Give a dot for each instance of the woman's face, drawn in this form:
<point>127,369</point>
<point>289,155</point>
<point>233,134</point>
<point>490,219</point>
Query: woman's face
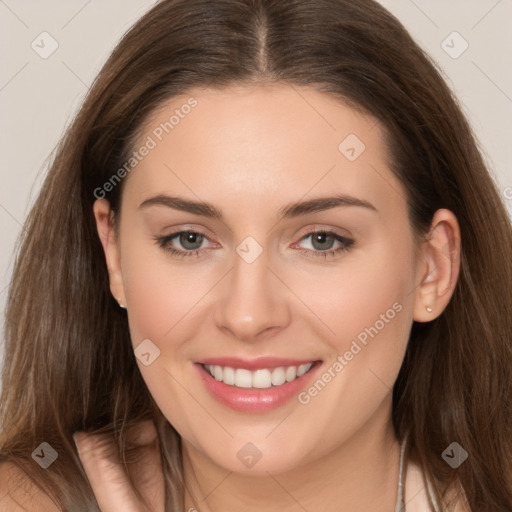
<point>254,173</point>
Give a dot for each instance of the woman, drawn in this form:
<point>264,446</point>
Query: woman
<point>268,270</point>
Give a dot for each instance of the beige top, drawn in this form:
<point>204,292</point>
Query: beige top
<point>415,493</point>
<point>412,493</point>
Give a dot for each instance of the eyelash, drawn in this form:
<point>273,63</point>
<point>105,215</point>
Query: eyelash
<point>346,244</point>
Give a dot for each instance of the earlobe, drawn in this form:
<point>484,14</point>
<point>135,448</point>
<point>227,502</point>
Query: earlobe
<point>105,225</point>
<point>438,267</point>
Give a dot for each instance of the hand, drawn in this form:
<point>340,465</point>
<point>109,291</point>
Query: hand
<point>108,478</point>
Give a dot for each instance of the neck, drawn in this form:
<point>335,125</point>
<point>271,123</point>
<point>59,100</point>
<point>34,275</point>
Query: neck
<point>360,474</point>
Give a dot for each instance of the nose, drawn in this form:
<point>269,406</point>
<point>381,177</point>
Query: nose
<point>253,301</point>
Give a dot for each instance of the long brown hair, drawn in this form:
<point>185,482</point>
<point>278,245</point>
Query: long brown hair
<point>69,362</point>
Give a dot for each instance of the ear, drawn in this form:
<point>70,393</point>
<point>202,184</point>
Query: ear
<point>105,226</point>
<point>439,264</point>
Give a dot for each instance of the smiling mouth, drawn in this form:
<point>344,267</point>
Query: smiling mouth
<point>263,378</point>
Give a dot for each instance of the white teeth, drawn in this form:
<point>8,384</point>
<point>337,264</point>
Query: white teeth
<point>302,369</point>
<point>259,379</point>
<point>291,373</point>
<point>278,376</point>
<point>243,378</point>
<point>228,376</point>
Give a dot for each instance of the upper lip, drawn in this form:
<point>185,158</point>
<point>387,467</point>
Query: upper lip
<point>254,364</point>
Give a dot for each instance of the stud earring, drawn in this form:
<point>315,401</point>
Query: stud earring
<point>429,309</point>
<point>119,302</point>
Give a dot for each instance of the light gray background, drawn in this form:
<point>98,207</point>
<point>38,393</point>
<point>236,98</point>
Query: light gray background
<point>39,96</point>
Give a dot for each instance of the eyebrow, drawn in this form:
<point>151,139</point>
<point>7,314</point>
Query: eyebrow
<point>289,211</point>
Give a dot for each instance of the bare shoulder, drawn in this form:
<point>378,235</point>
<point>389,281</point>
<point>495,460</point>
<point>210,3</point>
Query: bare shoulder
<point>19,494</point>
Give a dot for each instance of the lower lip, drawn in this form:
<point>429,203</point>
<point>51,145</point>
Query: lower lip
<point>255,400</point>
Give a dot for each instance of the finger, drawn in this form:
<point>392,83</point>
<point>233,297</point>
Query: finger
<point>107,477</point>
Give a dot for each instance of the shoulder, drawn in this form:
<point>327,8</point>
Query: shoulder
<point>19,494</point>
<point>459,498</point>
<point>417,492</point>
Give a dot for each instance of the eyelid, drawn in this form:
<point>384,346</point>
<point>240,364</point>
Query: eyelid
<point>300,234</point>
<point>346,241</point>
<point>325,228</point>
<point>178,228</point>
<point>345,244</point>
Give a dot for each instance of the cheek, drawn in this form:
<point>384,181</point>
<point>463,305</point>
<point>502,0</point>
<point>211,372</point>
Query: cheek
<point>163,307</point>
<point>367,304</point>
<point>361,293</point>
<point>162,295</point>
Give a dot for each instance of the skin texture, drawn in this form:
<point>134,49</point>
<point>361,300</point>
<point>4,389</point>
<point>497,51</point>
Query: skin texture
<point>250,152</point>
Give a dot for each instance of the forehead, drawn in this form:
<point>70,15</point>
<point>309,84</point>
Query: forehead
<point>245,143</point>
